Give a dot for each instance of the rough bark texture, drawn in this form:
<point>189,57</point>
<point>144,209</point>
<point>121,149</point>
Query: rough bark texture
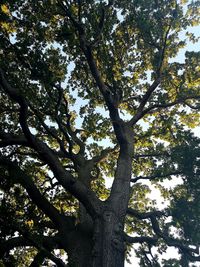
<point>109,249</point>
<point>102,247</point>
<point>79,249</point>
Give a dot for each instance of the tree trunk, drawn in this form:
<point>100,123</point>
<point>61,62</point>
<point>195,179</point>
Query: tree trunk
<point>79,249</point>
<point>109,247</point>
<point>104,247</point>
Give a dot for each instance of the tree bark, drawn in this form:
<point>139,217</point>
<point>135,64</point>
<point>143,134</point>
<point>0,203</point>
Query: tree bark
<point>109,247</point>
<point>79,250</point>
<point>101,245</point>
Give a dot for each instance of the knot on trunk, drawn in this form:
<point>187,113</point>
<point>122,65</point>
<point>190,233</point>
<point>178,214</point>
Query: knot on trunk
<point>107,216</point>
<point>118,228</point>
<point>118,244</point>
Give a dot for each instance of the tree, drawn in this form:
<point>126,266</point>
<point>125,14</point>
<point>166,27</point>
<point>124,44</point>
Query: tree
<point>92,92</point>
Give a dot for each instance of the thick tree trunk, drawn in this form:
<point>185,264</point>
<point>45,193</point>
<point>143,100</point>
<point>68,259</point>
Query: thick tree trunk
<point>106,246</point>
<point>109,248</point>
<point>79,245</point>
<point>102,248</point>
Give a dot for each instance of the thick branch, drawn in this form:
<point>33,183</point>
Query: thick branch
<point>105,91</point>
<point>26,181</point>
<point>38,259</point>
<point>143,102</point>
<point>158,107</point>
<point>77,188</point>
<point>8,139</point>
<point>154,85</point>
<point>155,176</point>
<point>52,133</point>
<point>21,241</point>
<point>43,247</point>
<point>12,243</point>
<point>121,185</point>
<point>42,243</point>
<point>153,154</point>
<point>104,154</point>
<point>120,191</point>
<point>108,97</point>
<point>145,215</point>
<point>156,228</point>
<point>101,23</point>
<point>175,242</point>
<point>140,239</point>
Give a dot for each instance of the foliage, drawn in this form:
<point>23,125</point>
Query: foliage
<point>94,92</point>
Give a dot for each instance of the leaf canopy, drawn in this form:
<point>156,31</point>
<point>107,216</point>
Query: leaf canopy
<point>74,76</point>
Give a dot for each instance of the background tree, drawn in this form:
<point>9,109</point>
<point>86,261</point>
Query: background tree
<point>92,94</point>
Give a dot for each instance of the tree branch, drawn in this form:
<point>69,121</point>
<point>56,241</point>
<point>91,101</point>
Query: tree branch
<point>101,23</point>
<point>12,243</point>
<point>21,241</point>
<point>153,215</point>
<point>17,174</point>
<point>154,85</point>
<point>103,154</point>
<point>175,242</point>
<point>140,239</point>
<point>66,179</point>
<point>153,108</point>
<point>156,154</point>
<point>38,259</point>
<point>42,243</point>
<point>155,176</point>
<point>145,215</point>
<point>8,139</point>
<point>139,113</point>
<point>123,131</point>
<point>105,91</point>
